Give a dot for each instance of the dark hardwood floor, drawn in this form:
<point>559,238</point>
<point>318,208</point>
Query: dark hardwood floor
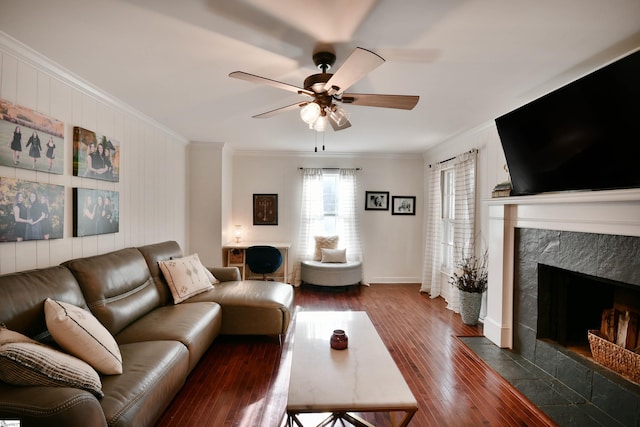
<point>243,381</point>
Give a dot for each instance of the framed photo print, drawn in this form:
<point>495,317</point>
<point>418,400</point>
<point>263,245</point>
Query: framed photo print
<point>95,156</point>
<point>30,140</point>
<point>403,205</point>
<point>95,212</point>
<point>376,201</point>
<point>265,209</point>
<point>30,210</point>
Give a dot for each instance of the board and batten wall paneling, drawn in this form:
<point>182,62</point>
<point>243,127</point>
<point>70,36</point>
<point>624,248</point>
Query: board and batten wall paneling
<point>152,187</point>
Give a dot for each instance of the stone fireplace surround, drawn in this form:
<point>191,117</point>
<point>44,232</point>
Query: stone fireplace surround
<point>525,231</point>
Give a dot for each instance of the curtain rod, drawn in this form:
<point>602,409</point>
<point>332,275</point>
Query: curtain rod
<point>332,169</point>
<point>474,150</point>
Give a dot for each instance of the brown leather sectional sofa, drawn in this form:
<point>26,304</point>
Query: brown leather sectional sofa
<point>160,342</point>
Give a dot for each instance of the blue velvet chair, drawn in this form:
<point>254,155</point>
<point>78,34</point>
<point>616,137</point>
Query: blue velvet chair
<point>263,260</point>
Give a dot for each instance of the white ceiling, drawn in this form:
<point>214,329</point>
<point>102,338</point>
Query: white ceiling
<point>469,60</point>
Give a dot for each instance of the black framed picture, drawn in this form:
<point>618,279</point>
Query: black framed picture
<point>265,209</point>
<point>376,201</point>
<point>403,205</point>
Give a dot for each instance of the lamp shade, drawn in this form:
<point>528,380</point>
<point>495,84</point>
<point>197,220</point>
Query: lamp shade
<point>320,125</point>
<point>310,112</point>
<point>339,115</point>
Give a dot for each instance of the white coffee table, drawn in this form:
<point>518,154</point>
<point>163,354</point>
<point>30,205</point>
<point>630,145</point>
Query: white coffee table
<point>361,378</point>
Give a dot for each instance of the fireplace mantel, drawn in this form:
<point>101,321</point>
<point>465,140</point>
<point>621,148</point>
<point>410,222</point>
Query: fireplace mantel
<point>605,212</point>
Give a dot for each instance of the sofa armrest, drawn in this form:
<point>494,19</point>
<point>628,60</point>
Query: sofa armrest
<point>226,274</point>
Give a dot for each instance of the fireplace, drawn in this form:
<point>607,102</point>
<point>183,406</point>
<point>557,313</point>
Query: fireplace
<point>590,234</point>
<point>571,303</point>
<point>562,283</point>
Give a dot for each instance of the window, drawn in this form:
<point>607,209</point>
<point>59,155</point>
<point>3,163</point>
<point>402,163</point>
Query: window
<point>330,201</point>
<point>448,217</point>
<point>330,207</point>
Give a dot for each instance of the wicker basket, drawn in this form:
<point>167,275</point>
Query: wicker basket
<point>615,357</point>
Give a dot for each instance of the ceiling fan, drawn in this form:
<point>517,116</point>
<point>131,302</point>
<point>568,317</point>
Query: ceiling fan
<point>327,90</point>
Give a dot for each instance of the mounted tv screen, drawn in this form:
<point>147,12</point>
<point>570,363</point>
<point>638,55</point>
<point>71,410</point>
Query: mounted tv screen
<point>583,136</point>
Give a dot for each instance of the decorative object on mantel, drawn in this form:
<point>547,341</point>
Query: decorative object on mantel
<point>471,279</point>
<point>502,190</point>
<point>339,340</point>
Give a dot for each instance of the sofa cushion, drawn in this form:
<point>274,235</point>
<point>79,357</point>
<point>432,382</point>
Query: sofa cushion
<point>186,277</point>
<point>334,255</point>
<point>154,373</point>
<point>194,325</point>
<point>117,287</point>
<point>159,252</point>
<point>26,362</point>
<point>22,297</point>
<point>55,406</point>
<point>327,242</point>
<point>78,332</point>
<point>252,307</point>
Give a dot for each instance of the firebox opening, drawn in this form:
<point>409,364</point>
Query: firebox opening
<point>570,303</point>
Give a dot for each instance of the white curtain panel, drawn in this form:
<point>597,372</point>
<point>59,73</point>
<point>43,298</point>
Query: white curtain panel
<point>431,272</point>
<point>311,217</point>
<point>434,281</point>
<point>348,224</point>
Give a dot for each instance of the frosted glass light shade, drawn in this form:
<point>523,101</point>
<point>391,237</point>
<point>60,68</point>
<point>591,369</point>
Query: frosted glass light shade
<point>310,112</point>
<point>320,125</point>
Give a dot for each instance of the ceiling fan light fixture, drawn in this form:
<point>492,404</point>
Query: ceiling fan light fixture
<point>310,113</point>
<point>339,115</point>
<point>320,125</point>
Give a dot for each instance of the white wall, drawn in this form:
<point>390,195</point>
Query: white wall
<point>153,162</point>
<point>392,245</point>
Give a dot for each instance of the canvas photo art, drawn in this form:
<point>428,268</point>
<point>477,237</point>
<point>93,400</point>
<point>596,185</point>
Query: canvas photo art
<point>95,156</point>
<point>95,212</point>
<point>30,210</point>
<point>30,140</point>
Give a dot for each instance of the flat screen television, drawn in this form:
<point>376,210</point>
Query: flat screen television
<point>583,136</point>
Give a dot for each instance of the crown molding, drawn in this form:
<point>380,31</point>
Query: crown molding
<point>26,54</point>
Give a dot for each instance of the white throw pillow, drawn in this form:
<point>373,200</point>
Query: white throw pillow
<point>326,242</point>
<point>78,332</point>
<point>334,255</point>
<point>186,277</point>
<point>24,361</point>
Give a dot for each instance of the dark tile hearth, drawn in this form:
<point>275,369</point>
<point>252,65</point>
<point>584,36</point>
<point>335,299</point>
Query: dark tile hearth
<point>613,259</point>
<point>565,406</point>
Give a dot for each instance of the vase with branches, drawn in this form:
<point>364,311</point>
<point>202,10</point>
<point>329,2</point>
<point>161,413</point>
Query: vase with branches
<point>471,278</point>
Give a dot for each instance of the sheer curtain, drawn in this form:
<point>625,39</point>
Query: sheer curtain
<point>348,221</point>
<point>311,216</point>
<point>434,280</point>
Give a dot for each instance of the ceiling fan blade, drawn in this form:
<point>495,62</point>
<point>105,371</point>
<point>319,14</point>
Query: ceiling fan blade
<point>402,102</point>
<point>279,110</point>
<point>358,64</point>
<point>263,80</point>
<point>336,127</point>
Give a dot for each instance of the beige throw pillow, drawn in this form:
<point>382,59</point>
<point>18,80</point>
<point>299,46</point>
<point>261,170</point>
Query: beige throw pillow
<point>24,361</point>
<point>78,332</point>
<point>186,277</point>
<point>326,242</point>
<point>334,255</point>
